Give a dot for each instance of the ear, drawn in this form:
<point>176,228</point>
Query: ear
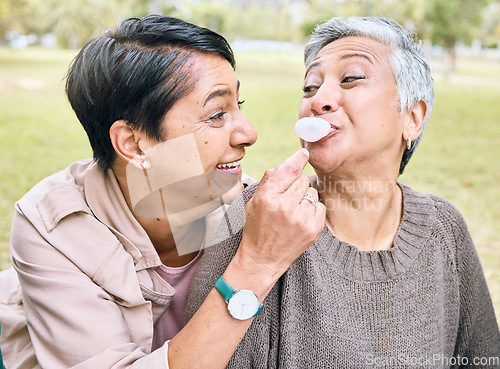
<point>415,125</point>
<point>125,141</point>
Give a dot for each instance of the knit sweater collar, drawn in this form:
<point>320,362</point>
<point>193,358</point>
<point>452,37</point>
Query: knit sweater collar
<point>385,265</point>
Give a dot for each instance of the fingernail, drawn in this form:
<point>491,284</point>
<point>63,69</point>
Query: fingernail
<point>306,152</point>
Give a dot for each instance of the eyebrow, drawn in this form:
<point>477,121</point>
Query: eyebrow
<point>356,55</point>
<point>221,92</point>
<point>317,64</point>
<point>311,66</point>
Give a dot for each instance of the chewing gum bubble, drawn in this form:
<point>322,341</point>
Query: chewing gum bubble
<point>312,129</point>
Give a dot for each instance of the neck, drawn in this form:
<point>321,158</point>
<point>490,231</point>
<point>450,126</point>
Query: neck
<point>158,229</point>
<point>363,212</point>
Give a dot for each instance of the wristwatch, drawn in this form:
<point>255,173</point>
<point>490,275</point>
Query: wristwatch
<point>242,304</point>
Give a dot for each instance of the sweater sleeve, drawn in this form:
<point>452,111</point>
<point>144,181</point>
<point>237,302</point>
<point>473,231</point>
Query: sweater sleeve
<point>478,340</point>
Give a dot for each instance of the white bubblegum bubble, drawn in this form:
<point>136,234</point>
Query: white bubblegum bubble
<point>312,129</point>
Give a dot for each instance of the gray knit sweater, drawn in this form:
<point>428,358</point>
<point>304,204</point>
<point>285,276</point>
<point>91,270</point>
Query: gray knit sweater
<point>422,304</point>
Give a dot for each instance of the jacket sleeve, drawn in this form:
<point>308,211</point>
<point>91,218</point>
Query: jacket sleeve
<point>478,336</point>
<point>73,322</point>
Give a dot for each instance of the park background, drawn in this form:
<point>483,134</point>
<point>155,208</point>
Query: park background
<point>458,158</point>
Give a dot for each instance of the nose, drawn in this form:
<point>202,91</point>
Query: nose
<point>324,101</point>
<point>244,133</point>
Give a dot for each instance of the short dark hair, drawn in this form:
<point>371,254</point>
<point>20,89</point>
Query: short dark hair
<point>136,73</point>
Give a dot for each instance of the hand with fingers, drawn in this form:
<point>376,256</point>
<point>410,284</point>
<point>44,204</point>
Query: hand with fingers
<point>284,217</point>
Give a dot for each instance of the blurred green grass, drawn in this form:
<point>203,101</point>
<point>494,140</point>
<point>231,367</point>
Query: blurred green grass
<point>458,157</point>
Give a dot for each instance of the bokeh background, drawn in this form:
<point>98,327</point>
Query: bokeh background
<point>459,157</point>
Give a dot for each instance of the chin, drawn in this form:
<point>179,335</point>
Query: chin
<point>324,157</point>
<point>320,162</point>
<point>233,193</point>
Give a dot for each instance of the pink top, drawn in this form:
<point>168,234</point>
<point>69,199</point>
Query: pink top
<point>174,319</point>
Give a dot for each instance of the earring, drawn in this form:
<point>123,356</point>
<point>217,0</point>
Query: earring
<point>408,143</point>
<point>145,164</point>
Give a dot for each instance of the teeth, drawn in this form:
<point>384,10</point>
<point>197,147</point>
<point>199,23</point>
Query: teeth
<point>231,165</point>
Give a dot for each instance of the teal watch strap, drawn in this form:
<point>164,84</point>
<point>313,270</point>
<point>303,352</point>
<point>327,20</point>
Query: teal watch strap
<point>224,289</point>
<point>259,309</point>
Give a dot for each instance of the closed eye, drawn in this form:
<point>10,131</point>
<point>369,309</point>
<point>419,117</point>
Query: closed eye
<point>349,79</point>
<point>309,90</point>
<point>218,116</point>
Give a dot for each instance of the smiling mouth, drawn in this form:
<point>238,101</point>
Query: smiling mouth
<point>229,166</point>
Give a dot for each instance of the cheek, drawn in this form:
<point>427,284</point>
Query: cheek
<point>379,125</point>
<point>304,108</point>
<point>212,148</point>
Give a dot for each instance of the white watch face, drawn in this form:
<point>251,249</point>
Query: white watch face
<point>243,305</point>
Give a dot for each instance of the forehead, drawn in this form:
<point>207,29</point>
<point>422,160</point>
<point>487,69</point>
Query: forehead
<point>210,67</point>
<point>213,78</point>
<point>346,48</point>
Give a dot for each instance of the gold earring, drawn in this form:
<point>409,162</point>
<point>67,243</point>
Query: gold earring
<point>408,143</point>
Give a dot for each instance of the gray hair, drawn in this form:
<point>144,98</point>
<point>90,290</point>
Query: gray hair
<point>409,64</point>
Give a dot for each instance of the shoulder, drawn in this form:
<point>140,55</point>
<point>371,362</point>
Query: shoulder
<point>70,177</point>
<point>451,230</point>
<point>447,212</point>
<point>447,228</point>
<point>53,214</point>
<point>57,196</point>
<point>439,208</point>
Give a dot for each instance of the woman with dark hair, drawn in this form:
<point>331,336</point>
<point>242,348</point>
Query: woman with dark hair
<point>105,250</point>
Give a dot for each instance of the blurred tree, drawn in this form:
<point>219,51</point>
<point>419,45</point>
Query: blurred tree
<point>211,15</point>
<point>452,21</point>
<point>489,32</point>
<point>318,11</point>
<point>409,13</point>
<point>4,18</point>
<point>144,7</point>
<point>155,6</point>
<point>252,20</point>
<point>13,16</point>
<point>76,22</point>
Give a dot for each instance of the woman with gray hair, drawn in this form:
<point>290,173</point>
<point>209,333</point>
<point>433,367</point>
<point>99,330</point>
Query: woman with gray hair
<point>394,280</point>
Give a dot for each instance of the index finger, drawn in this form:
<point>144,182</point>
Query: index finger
<point>287,173</point>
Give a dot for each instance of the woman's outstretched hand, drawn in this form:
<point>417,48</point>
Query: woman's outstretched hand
<point>280,223</point>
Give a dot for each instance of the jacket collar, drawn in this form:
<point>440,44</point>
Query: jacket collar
<point>106,200</point>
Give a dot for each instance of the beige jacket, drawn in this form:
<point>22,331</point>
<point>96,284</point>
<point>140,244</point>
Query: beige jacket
<point>86,267</point>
